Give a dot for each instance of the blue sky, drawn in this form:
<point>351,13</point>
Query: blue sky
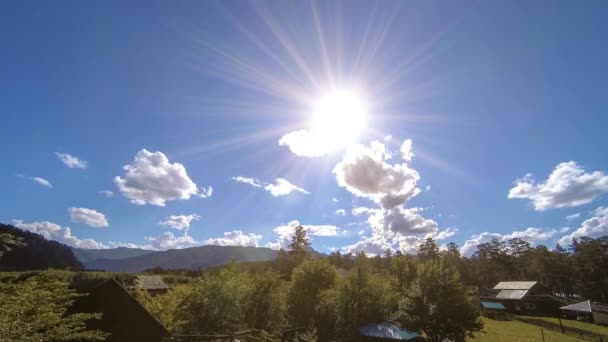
<point>205,92</point>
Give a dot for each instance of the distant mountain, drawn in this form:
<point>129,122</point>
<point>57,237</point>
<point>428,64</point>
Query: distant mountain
<point>189,258</point>
<point>86,256</point>
<point>37,254</point>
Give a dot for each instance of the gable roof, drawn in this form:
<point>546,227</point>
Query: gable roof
<point>387,331</point>
<point>586,306</point>
<point>515,285</point>
<point>511,294</point>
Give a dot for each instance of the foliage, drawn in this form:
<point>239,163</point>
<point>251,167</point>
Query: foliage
<point>167,308</point>
<point>30,251</point>
<point>438,305</point>
<point>265,305</point>
<point>38,308</point>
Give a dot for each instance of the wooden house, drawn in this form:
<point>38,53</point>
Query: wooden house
<point>526,298</point>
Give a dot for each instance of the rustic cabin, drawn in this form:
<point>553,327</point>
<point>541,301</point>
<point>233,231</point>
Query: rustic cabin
<point>526,298</point>
<point>122,315</point>
<point>387,332</point>
<point>587,311</point>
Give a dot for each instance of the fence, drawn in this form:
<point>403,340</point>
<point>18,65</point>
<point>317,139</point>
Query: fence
<point>570,331</point>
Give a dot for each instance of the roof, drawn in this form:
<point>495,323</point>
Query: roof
<point>511,294</point>
<point>150,282</point>
<point>493,305</point>
<point>586,306</point>
<point>515,285</point>
<point>387,331</point>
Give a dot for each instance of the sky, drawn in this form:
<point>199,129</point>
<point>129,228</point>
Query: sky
<point>374,124</point>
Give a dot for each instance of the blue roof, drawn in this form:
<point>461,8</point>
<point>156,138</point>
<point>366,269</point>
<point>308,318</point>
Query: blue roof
<point>493,305</point>
<point>388,331</point>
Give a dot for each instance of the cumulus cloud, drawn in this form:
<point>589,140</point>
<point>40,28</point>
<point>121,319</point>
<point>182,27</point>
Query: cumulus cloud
<point>52,231</point>
<point>304,143</point>
<point>364,172</point>
<point>567,186</point>
<point>282,187</point>
<point>71,161</point>
<point>341,212</point>
<point>593,227</point>
<point>169,241</point>
<point>42,182</point>
<point>284,233</point>
<point>600,211</point>
<point>573,217</point>
<point>107,193</point>
<point>235,238</point>
<point>247,180</point>
<point>180,222</point>
<point>87,216</point>
<point>152,179</point>
<point>531,234</point>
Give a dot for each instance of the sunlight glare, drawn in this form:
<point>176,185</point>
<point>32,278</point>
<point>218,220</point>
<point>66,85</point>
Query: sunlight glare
<point>339,117</point>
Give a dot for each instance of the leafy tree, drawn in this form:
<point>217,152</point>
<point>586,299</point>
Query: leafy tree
<point>298,250</point>
<point>215,304</point>
<point>308,281</point>
<point>428,250</point>
<point>438,305</point>
<point>167,308</point>
<point>37,309</point>
<point>265,305</point>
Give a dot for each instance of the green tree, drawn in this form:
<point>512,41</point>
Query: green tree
<point>309,280</point>
<point>298,250</point>
<point>37,309</point>
<point>8,242</point>
<point>265,306</point>
<point>438,305</point>
<point>167,308</point>
<point>428,250</point>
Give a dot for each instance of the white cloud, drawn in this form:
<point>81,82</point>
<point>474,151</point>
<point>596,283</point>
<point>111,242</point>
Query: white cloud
<point>427,188</point>
<point>341,212</point>
<point>567,186</point>
<point>205,193</point>
<point>406,150</point>
<point>573,216</point>
<point>235,238</point>
<point>284,233</point>
<point>87,216</point>
<point>364,172</point>
<point>180,222</point>
<point>247,180</point>
<point>594,227</point>
<point>283,187</point>
<point>42,182</point>
<point>600,211</point>
<point>152,179</point>
<point>55,232</point>
<point>107,193</point>
<point>531,234</point>
<point>335,200</point>
<point>303,143</point>
<point>71,161</point>
<point>401,221</point>
<point>169,241</point>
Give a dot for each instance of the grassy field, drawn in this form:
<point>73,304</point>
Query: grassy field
<point>515,331</point>
<point>576,324</point>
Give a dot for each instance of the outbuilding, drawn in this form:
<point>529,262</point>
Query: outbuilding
<point>587,311</point>
<point>494,310</point>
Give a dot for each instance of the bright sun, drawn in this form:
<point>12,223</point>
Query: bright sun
<point>339,117</point>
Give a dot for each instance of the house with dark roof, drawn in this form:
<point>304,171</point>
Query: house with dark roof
<point>122,315</point>
<point>525,298</point>
<point>589,311</point>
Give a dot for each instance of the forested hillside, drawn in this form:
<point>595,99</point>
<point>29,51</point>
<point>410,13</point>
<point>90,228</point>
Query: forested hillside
<point>34,252</point>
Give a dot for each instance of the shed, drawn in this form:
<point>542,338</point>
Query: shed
<point>493,310</point>
<point>588,311</point>
<point>387,332</point>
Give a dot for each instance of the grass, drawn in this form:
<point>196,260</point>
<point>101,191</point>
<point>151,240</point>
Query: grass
<point>515,331</point>
<point>576,324</point>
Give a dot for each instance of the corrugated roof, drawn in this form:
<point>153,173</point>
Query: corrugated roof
<point>151,282</point>
<point>512,294</point>
<point>515,285</point>
<point>387,331</point>
<point>493,305</point>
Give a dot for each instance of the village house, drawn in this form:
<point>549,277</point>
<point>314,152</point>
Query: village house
<point>525,298</point>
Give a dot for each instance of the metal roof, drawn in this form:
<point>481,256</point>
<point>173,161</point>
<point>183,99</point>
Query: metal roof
<point>493,305</point>
<point>511,294</point>
<point>387,331</point>
<point>515,285</point>
<point>582,306</point>
<point>151,282</point>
